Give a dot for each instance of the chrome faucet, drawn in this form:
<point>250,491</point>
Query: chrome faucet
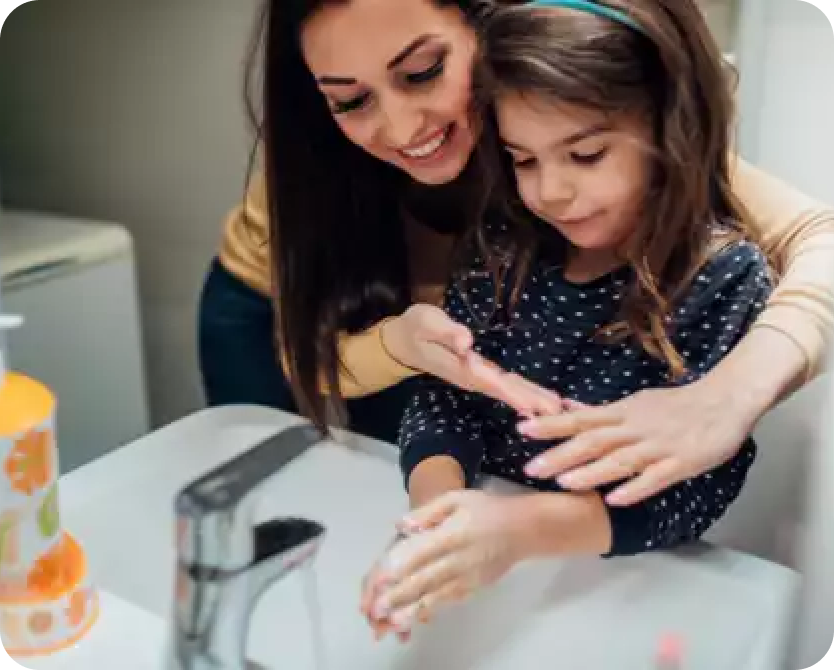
<point>225,562</point>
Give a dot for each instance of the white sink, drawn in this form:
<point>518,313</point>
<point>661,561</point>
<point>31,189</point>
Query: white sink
<point>597,615</point>
<point>568,612</point>
<point>579,614</point>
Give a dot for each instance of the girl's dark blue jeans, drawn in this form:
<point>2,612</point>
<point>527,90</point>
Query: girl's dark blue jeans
<point>239,363</point>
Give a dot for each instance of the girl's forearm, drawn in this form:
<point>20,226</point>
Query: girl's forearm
<point>562,523</point>
<point>434,477</point>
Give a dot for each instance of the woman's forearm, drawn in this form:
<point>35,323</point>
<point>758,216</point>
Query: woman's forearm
<point>797,233</point>
<point>366,368</point>
<point>764,368</point>
<point>366,365</point>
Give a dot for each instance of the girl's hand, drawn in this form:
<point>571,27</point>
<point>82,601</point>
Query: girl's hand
<point>371,588</point>
<point>425,338</point>
<point>429,481</point>
<point>458,543</point>
<point>657,437</point>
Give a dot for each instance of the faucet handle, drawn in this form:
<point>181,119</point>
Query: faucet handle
<point>227,485</point>
<point>214,513</point>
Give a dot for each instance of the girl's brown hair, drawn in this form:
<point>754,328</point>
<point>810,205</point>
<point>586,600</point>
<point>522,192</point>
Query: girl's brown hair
<point>671,72</point>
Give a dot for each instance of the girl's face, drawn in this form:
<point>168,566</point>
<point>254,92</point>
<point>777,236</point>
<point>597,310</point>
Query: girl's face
<point>581,171</point>
<point>397,76</point>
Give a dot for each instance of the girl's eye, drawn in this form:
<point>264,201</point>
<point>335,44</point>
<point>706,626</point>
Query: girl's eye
<point>428,74</point>
<point>589,159</point>
<point>523,163</point>
<point>344,106</point>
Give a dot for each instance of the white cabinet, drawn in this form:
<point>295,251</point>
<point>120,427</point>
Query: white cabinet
<point>73,283</point>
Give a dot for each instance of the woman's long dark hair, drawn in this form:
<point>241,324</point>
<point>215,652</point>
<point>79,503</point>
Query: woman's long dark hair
<point>338,254</point>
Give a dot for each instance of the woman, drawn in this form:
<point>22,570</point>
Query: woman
<point>368,172</point>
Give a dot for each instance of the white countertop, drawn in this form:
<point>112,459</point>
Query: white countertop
<point>125,637</point>
<point>597,614</point>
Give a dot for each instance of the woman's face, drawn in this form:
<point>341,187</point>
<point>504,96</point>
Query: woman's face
<point>397,77</point>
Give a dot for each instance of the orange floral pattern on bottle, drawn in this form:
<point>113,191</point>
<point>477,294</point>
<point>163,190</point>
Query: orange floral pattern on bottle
<point>50,572</point>
<point>29,465</point>
<point>9,539</point>
<point>12,628</point>
<point>40,623</point>
<point>77,609</point>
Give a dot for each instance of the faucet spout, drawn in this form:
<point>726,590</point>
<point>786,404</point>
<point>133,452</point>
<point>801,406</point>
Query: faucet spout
<point>225,562</point>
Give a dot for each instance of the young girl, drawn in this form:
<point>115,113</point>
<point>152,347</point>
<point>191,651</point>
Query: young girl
<point>636,270</point>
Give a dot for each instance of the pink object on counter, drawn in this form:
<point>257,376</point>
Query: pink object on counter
<point>670,652</point>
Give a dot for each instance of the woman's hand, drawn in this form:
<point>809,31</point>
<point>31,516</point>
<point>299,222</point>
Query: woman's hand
<point>656,437</point>
<point>425,338</point>
<point>460,542</point>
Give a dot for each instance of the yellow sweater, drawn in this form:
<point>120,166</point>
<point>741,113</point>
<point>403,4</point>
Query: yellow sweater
<point>797,233</point>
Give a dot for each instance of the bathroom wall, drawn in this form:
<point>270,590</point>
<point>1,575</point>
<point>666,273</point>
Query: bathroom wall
<point>132,112</point>
<point>721,16</point>
<point>796,107</point>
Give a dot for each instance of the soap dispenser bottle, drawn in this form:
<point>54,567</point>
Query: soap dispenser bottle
<point>46,602</point>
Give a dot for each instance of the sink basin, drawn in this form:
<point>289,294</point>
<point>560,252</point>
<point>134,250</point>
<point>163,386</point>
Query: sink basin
<point>578,614</point>
<point>564,613</point>
<point>596,616</point>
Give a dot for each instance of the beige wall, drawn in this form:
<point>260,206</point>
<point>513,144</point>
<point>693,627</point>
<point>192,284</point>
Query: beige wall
<point>132,111</point>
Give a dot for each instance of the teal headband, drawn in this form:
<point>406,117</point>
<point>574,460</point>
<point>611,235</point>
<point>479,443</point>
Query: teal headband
<point>592,8</point>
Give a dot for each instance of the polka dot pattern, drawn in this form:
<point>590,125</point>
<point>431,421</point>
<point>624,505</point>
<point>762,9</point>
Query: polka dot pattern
<point>548,335</point>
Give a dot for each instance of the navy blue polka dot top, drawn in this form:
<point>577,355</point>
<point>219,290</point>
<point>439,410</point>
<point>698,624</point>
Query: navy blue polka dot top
<point>550,336</point>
